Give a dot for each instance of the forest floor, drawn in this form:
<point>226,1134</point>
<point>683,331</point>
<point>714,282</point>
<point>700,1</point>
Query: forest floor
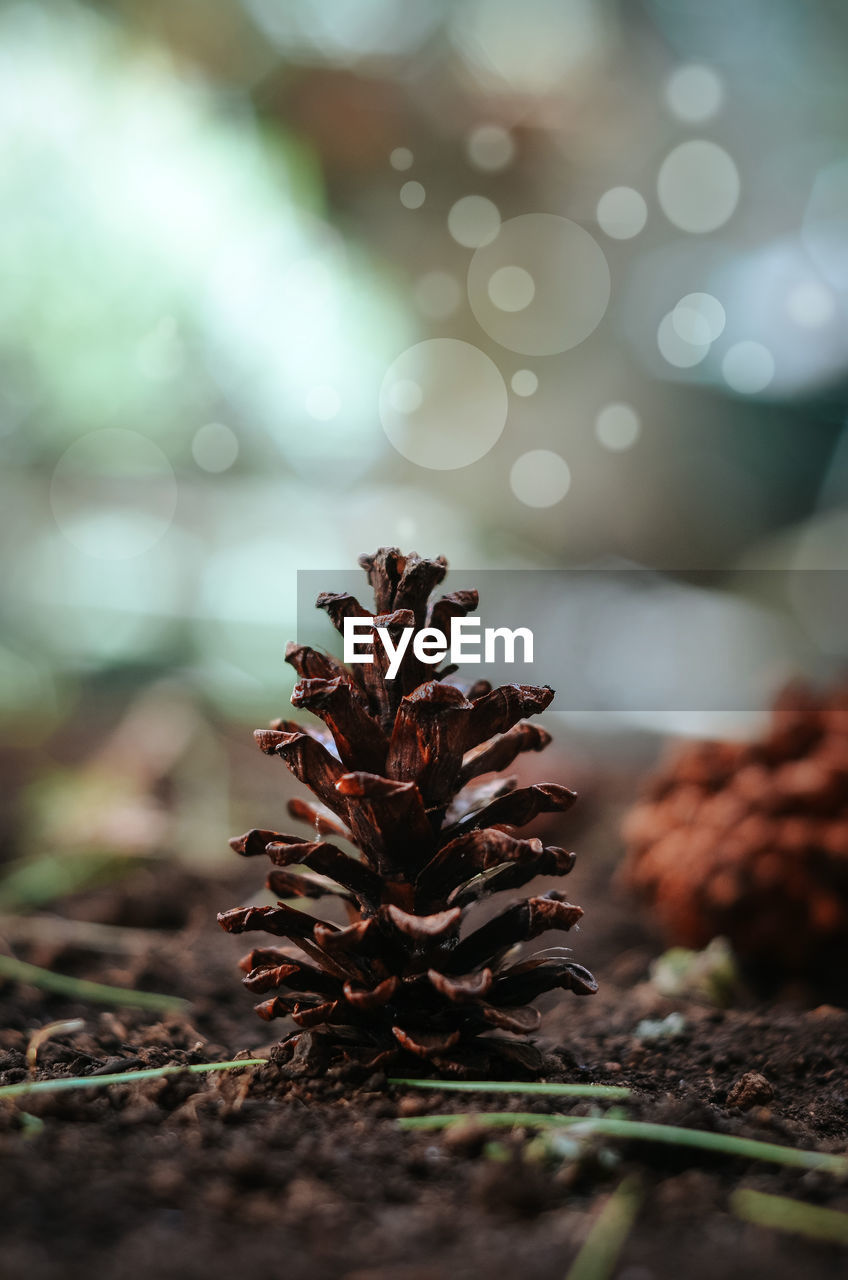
<point>252,1173</point>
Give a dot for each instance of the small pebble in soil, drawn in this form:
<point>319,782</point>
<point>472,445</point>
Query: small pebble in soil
<point>465,1139</point>
<point>750,1090</point>
<point>412,1106</point>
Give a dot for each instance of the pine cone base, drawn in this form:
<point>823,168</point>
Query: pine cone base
<point>407,776</point>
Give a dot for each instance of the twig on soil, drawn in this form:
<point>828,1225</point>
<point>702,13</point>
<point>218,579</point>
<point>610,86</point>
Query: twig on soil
<point>643,1131</point>
<point>602,1248</point>
<point>122,1077</point>
<point>519,1086</point>
<point>37,1039</point>
<point>784,1214</point>
<point>82,989</point>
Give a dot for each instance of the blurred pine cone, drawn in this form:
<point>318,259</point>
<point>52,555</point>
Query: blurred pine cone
<point>750,840</point>
<point>397,773</point>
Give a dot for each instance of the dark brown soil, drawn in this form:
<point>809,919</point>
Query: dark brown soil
<point>253,1174</point>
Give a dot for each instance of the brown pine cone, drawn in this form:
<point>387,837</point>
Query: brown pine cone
<point>750,840</point>
<point>418,844</point>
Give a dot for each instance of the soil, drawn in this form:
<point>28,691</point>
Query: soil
<point>254,1173</point>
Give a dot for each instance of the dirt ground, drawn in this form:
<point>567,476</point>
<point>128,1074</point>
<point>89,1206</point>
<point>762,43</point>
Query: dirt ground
<point>251,1173</point>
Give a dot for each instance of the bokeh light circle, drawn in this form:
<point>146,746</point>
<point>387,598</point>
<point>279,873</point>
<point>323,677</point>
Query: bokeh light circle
<point>511,288</point>
<point>775,296</point>
<point>524,382</point>
<point>748,367</point>
<point>474,221</point>
<point>412,195</point>
<point>540,478</point>
<point>401,158</point>
<point>215,447</point>
<point>698,186</point>
<point>571,278</point>
<point>617,427</point>
<point>677,350</point>
<point>621,213</point>
<point>113,494</point>
<point>530,51</point>
<point>490,148</point>
<point>698,319</point>
<point>462,407</point>
<point>694,93</point>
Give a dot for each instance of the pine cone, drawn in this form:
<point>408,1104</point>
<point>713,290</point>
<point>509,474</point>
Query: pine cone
<point>750,840</point>
<point>398,772</point>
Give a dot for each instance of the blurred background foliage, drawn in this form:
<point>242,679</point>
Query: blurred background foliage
<point>228,228</point>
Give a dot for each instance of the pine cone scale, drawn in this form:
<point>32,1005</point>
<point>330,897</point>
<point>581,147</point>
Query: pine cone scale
<point>360,742</point>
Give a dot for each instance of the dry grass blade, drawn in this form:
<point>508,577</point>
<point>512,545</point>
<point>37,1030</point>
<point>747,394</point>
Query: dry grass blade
<point>38,1038</point>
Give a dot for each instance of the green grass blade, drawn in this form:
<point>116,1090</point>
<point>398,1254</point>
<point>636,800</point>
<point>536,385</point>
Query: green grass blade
<point>518,1086</point>
<point>82,989</point>
<point>784,1214</point>
<point>599,1256</point>
<point>38,881</point>
<point>644,1131</point>
<point>121,1077</point>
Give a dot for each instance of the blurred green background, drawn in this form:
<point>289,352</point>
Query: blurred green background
<point>550,284</point>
